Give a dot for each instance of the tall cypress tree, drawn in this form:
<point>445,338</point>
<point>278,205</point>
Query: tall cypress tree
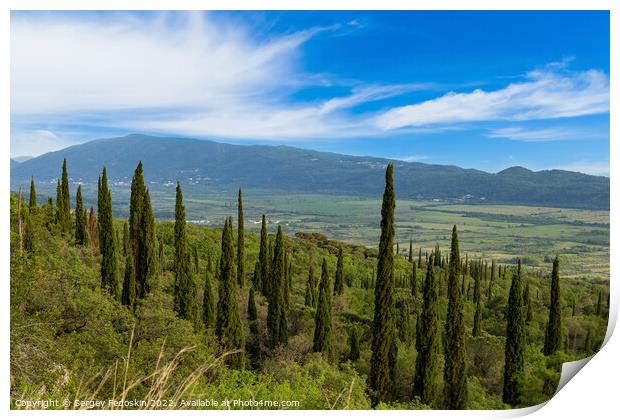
<point>515,342</point>
<point>107,242</point>
<point>228,327</point>
<point>32,203</point>
<point>478,303</point>
<point>92,230</point>
<point>414,280</point>
<point>383,360</point>
<point>492,280</point>
<point>128,297</point>
<point>263,259</point>
<point>184,286</point>
<point>277,323</point>
<point>410,250</point>
<point>354,345</point>
<point>256,280</point>
<point>310,297</point>
<point>427,343</point>
<point>80,218</point>
<point>455,371</point>
<point>240,242</point>
<point>323,317</point>
<point>527,301</point>
<point>420,258</point>
<point>65,211</point>
<point>553,335</point>
<point>208,302</point>
<point>339,282</point>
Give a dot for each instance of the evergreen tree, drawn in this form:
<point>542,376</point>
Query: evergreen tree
<point>65,203</point>
<point>128,297</point>
<point>515,342</point>
<point>339,282</point>
<point>184,286</point>
<point>208,302</point>
<point>263,259</point>
<point>383,360</point>
<point>240,242</point>
<point>126,240</point>
<point>410,256</point>
<point>427,343</point>
<point>478,303</point>
<point>420,258</point>
<point>553,335</point>
<point>277,323</point>
<point>29,236</point>
<point>405,331</point>
<point>414,280</point>
<point>455,371</point>
<point>92,230</point>
<point>310,297</point>
<point>354,345</point>
<point>256,280</point>
<point>528,303</point>
<point>32,203</point>
<point>80,218</point>
<point>323,317</point>
<point>492,280</point>
<point>59,206</point>
<point>253,346</point>
<point>228,327</point>
<point>107,242</point>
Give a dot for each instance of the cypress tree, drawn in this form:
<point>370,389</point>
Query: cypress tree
<point>263,259</point>
<point>411,250</point>
<point>553,335</point>
<point>310,297</point>
<point>208,302</point>
<point>528,303</point>
<point>599,303</point>
<point>455,379</point>
<point>420,258</point>
<point>228,327</point>
<point>128,297</point>
<point>323,317</point>
<point>92,230</point>
<point>492,280</point>
<point>478,303</point>
<point>515,342</point>
<point>59,206</point>
<point>240,242</point>
<point>29,240</point>
<point>414,280</point>
<point>126,240</point>
<point>195,259</point>
<point>405,331</point>
<point>277,324</point>
<point>256,280</point>
<point>383,360</point>
<point>253,347</point>
<point>80,218</point>
<point>339,282</point>
<point>427,342</point>
<point>184,286</point>
<point>32,203</point>
<point>107,242</point>
<point>354,345</point>
<point>65,214</point>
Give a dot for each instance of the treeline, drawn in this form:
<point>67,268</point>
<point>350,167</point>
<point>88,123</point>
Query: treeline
<point>130,266</point>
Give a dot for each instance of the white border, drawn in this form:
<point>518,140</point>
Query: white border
<point>592,395</point>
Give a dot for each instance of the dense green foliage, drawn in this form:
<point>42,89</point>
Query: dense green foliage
<point>107,238</point>
<point>71,338</point>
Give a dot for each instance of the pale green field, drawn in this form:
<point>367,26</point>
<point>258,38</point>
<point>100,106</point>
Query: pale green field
<point>536,234</point>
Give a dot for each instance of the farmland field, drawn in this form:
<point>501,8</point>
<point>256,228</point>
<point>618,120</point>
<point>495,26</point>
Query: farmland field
<point>502,232</point>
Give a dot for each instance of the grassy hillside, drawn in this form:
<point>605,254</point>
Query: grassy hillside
<point>72,340</point>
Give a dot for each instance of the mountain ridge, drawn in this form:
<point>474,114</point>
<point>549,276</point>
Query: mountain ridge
<point>206,165</point>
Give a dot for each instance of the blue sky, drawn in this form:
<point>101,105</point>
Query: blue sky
<point>484,90</point>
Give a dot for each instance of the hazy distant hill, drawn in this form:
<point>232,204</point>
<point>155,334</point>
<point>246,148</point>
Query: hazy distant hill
<point>206,166</point>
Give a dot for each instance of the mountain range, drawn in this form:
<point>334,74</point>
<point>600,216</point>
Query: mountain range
<point>205,166</point>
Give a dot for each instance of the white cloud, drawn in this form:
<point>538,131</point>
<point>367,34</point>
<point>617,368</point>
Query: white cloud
<point>36,142</point>
<point>543,134</point>
<point>545,94</point>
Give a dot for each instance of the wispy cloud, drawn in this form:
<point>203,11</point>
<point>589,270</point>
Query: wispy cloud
<point>36,142</point>
<point>545,94</point>
<point>544,134</point>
